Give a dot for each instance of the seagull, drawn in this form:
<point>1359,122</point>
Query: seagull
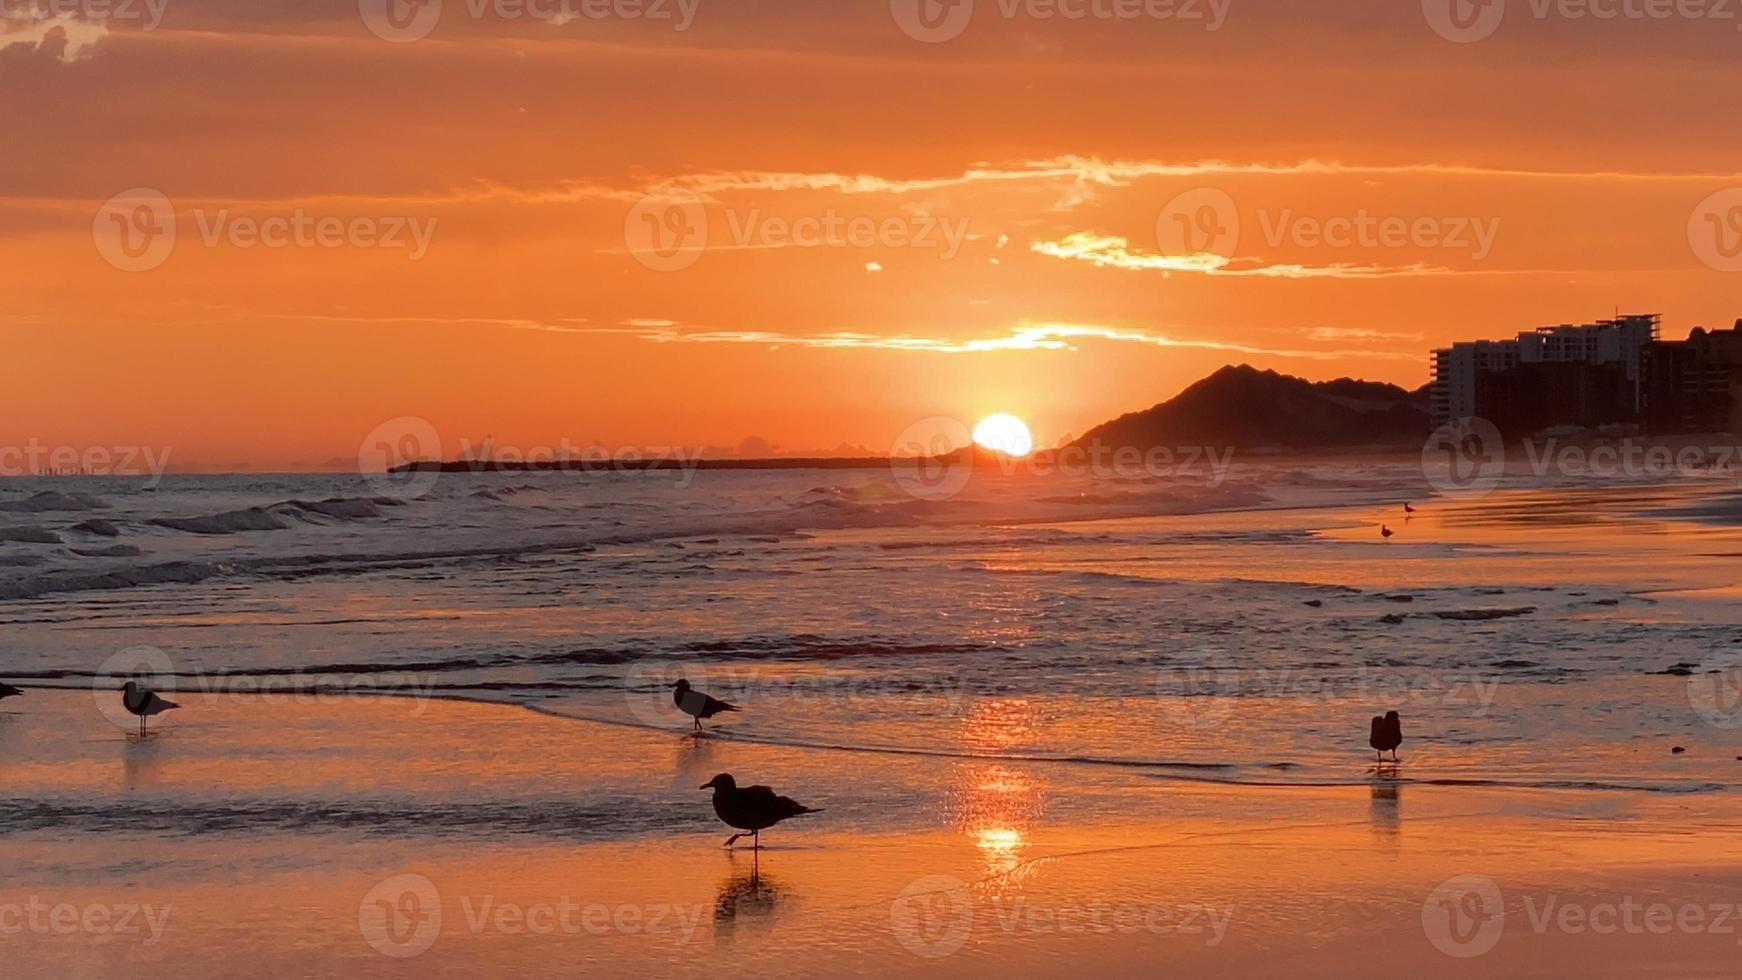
<point>752,809</point>
<point>1385,532</point>
<point>138,701</point>
<point>1387,735</point>
<point>8,691</point>
<point>696,704</point>
<point>1407,508</point>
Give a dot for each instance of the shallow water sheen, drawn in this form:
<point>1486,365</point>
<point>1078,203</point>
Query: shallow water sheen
<point>1166,631</point>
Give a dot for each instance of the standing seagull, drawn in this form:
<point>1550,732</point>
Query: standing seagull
<point>138,701</point>
<point>8,691</point>
<point>1385,532</point>
<point>1387,735</point>
<point>752,809</point>
<point>696,704</point>
<point>1407,508</point>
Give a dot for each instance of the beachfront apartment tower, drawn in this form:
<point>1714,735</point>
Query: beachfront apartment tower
<point>1458,369</point>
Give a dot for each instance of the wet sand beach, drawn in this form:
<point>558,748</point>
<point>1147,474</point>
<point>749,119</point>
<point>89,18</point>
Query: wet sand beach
<point>313,837</point>
<point>1055,742</point>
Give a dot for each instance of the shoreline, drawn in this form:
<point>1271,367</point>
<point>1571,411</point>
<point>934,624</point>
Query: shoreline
<point>1193,773</point>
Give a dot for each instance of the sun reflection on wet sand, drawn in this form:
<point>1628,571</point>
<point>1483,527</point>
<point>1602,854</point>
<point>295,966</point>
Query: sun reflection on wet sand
<point>996,806</point>
<point>1001,724</point>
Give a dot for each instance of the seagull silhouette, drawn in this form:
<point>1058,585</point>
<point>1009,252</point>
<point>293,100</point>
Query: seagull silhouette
<point>1385,532</point>
<point>1387,735</point>
<point>139,701</point>
<point>1407,509</point>
<point>696,704</point>
<point>8,691</point>
<point>752,809</point>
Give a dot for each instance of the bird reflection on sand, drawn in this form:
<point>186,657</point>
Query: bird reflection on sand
<point>695,762</point>
<point>1386,808</point>
<point>747,898</point>
<point>141,762</point>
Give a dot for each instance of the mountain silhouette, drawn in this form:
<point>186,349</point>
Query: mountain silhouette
<point>1248,408</point>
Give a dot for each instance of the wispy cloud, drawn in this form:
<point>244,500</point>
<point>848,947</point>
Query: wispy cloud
<point>1093,171</point>
<point>1357,333</point>
<point>1116,252</point>
<point>1025,336</point>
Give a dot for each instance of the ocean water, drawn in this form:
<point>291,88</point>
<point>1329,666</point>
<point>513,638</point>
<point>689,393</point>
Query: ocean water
<point>1237,629</point>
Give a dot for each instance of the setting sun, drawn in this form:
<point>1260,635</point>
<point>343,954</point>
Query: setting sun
<point>1004,433</point>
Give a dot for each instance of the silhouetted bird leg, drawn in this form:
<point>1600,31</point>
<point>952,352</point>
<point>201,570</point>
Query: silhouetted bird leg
<point>1394,757</point>
<point>733,839</point>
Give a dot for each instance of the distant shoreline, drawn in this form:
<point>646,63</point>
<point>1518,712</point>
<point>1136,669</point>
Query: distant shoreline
<point>632,465</point>
<point>980,459</point>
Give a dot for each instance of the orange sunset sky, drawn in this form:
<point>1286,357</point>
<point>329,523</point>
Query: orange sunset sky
<point>532,148</point>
